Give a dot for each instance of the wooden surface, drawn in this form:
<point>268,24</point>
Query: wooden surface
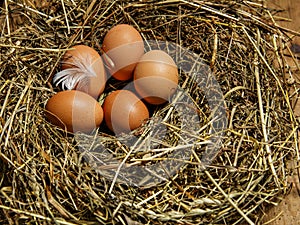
<point>290,10</point>
<point>288,211</point>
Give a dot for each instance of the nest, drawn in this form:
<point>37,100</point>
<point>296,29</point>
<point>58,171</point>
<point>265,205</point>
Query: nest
<point>239,105</point>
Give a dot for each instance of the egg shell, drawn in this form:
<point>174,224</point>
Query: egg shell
<point>156,77</point>
<point>123,46</point>
<point>75,111</point>
<point>84,61</point>
<point>124,111</point>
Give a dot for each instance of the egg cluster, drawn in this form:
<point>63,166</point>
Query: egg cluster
<point>84,74</point>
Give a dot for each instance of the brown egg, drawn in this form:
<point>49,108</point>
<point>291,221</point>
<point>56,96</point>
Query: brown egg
<point>156,77</point>
<point>75,111</point>
<point>124,111</point>
<point>123,47</point>
<point>83,70</point>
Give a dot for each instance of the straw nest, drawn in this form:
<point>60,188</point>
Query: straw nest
<point>45,176</point>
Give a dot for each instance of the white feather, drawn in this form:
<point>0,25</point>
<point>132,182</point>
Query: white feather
<point>79,74</point>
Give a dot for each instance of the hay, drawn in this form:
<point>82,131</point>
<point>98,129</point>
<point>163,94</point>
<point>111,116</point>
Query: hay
<point>46,179</point>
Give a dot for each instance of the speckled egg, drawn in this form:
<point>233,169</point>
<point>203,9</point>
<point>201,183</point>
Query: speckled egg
<point>156,77</point>
<point>123,47</point>
<point>75,111</point>
<point>83,70</point>
<point>124,111</point>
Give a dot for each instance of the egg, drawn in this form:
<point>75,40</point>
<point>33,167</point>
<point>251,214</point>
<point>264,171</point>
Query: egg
<point>83,70</point>
<point>156,77</point>
<point>74,110</point>
<point>124,111</point>
<point>123,46</point>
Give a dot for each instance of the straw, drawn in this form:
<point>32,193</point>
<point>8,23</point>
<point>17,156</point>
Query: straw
<point>52,177</point>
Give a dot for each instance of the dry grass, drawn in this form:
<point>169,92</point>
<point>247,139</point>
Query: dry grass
<point>46,178</point>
